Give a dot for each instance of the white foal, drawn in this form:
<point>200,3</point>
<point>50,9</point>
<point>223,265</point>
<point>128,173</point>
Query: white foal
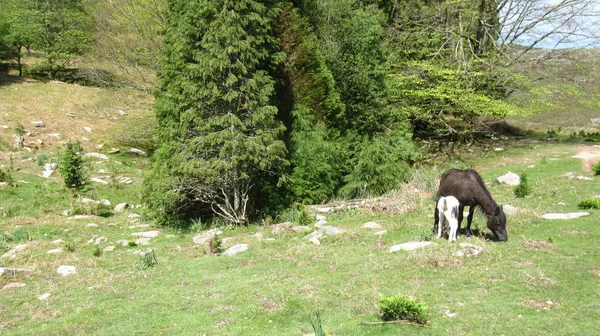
<point>448,211</point>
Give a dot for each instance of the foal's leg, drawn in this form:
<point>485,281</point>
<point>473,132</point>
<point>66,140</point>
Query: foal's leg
<point>439,220</point>
<point>436,216</point>
<point>453,226</point>
<point>470,219</point>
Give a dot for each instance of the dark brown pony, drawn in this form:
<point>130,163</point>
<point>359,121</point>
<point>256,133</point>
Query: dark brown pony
<point>468,187</point>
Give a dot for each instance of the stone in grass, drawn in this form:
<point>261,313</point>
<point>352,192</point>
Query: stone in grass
<point>510,179</point>
<point>109,248</point>
<point>12,253</point>
<point>510,209</point>
<point>206,236</point>
<point>571,215</point>
<point>315,234</point>
<point>13,271</point>
<point>146,234</point>
<point>371,225</point>
<point>13,285</point>
<point>135,151</point>
<point>142,241</point>
<point>55,251</point>
<point>98,180</point>
<point>281,227</point>
<point>380,233</point>
<point>44,296</point>
<point>235,249</point>
<point>96,155</point>
<point>38,123</point>
<point>301,228</point>
<point>468,250</point>
<point>409,246</point>
<point>331,230</point>
<point>57,242</point>
<point>66,270</point>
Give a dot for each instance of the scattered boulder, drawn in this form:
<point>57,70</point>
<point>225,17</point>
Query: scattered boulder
<point>142,241</point>
<point>80,217</point>
<point>66,270</point>
<point>44,296</point>
<point>50,166</point>
<point>47,173</point>
<point>88,129</point>
<point>510,209</point>
<point>510,179</point>
<point>235,249</point>
<point>57,242</point>
<point>206,236</point>
<point>109,248</point>
<point>133,215</point>
<point>320,222</point>
<point>409,246</point>
<point>147,234</point>
<point>13,271</point>
<point>12,253</point>
<point>320,217</point>
<point>468,250</point>
<point>325,210</point>
<point>379,233</point>
<point>135,151</point>
<point>315,234</point>
<point>315,241</point>
<point>331,230</point>
<point>571,215</point>
<point>92,201</point>
<point>121,207</point>
<point>125,180</point>
<point>96,156</point>
<point>55,251</point>
<point>371,225</point>
<point>595,121</point>
<point>281,227</point>
<point>38,123</point>
<point>114,151</point>
<point>301,228</point>
<point>13,285</point>
<point>98,180</point>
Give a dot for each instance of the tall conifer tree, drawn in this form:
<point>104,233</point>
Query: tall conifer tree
<point>217,125</point>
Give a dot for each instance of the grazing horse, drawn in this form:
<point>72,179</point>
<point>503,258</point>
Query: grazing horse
<point>448,209</point>
<point>468,187</point>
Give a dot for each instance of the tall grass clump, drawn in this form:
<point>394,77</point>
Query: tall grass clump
<point>401,308</point>
<point>589,204</point>
<point>524,188</point>
<point>596,168</point>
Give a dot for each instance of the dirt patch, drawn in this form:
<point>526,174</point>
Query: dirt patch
<point>545,304</point>
<point>222,308</point>
<point>596,271</point>
<point>588,155</point>
<point>538,245</point>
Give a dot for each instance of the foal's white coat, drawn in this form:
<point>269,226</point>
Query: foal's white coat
<point>448,210</point>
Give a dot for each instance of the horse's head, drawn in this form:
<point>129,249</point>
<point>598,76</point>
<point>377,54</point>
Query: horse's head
<point>497,224</point>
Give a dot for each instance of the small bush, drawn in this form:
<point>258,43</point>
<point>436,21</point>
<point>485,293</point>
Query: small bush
<point>596,168</point>
<point>423,234</point>
<point>215,245</point>
<point>589,204</point>
<point>6,176</point>
<point>69,246</point>
<point>147,259</point>
<point>42,159</point>
<point>97,252</point>
<point>523,189</point>
<point>71,166</point>
<point>400,307</point>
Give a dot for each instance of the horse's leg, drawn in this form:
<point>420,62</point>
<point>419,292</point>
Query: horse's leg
<point>461,208</point>
<point>436,216</point>
<point>470,219</point>
<point>453,225</point>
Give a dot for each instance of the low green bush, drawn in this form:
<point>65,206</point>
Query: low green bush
<point>524,188</point>
<point>596,168</point>
<point>400,307</point>
<point>589,204</point>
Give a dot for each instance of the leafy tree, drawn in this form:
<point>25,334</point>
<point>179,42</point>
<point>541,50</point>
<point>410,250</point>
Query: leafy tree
<point>22,28</point>
<point>217,126</point>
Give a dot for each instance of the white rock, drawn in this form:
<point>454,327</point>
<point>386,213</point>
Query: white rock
<point>88,129</point>
<point>57,242</point>
<point>146,234</point>
<point>331,230</point>
<point>325,210</point>
<point>409,246</point>
<point>98,180</point>
<point>595,121</point>
<point>510,209</point>
<point>584,178</point>
<point>38,123</point>
<point>50,166</point>
<point>379,233</point>
<point>468,250</point>
<point>280,228</point>
<point>258,235</point>
<point>498,149</point>
<point>235,249</point>
<point>204,237</point>
<point>13,285</point>
<point>371,225</point>
<point>320,223</point>
<point>96,155</point>
<point>315,241</point>
<point>55,251</point>
<point>100,240</point>
<point>320,217</point>
<point>125,180</point>
<point>80,217</point>
<point>315,234</point>
<point>121,113</point>
<point>109,248</point>
<point>510,179</point>
<point>300,228</point>
<point>135,151</point>
<point>571,215</point>
<point>47,173</point>
<point>55,135</point>
<point>44,296</point>
<point>121,207</point>
<point>92,225</point>
<point>133,215</point>
<point>12,253</point>
<point>13,271</point>
<point>142,241</point>
<point>66,270</point>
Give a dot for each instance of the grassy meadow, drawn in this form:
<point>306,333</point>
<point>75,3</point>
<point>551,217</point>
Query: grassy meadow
<point>544,281</point>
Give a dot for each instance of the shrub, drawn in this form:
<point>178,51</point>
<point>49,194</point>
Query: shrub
<point>596,168</point>
<point>523,189</point>
<point>317,324</point>
<point>71,166</point>
<point>400,307</point>
<point>147,259</point>
<point>589,204</point>
<point>97,252</point>
<point>42,159</point>
<point>6,176</point>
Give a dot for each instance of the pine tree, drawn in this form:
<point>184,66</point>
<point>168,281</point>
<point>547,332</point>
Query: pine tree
<point>217,126</point>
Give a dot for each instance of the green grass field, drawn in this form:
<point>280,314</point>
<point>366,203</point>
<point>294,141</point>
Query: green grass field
<point>544,281</point>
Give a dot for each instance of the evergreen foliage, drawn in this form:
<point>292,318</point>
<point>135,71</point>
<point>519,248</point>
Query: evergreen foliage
<point>217,124</point>
<point>524,188</point>
<point>71,166</point>
<point>382,163</point>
